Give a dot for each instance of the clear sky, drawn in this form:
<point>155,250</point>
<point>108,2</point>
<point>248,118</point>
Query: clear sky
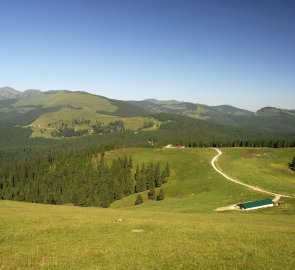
<point>235,52</point>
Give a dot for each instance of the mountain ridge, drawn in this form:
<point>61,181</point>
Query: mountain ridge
<point>11,93</point>
<point>8,92</point>
<point>270,118</point>
<point>13,102</point>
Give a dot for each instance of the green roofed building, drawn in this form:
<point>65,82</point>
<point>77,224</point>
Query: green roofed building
<point>256,204</point>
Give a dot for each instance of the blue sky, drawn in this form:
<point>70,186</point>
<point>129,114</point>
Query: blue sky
<point>212,52</point>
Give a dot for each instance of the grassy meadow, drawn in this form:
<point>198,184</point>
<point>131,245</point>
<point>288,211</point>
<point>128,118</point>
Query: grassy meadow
<point>263,167</point>
<point>48,122</point>
<point>193,186</point>
<point>67,98</point>
<point>181,232</point>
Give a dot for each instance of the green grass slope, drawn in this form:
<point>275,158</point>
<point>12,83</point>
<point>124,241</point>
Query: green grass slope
<point>48,122</point>
<point>194,186</point>
<point>63,237</point>
<point>181,232</point>
<point>264,167</point>
<point>66,98</point>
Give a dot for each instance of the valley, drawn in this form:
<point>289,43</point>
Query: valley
<point>147,135</point>
<point>73,165</point>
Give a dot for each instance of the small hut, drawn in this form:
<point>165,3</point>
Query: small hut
<point>256,204</point>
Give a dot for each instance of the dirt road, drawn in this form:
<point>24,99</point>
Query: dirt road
<point>214,162</point>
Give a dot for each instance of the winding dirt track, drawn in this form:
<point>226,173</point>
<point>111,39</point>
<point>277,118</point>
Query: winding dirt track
<point>213,164</point>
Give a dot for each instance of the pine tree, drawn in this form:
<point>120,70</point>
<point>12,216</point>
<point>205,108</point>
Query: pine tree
<point>128,182</point>
<point>167,169</point>
<point>130,163</point>
<point>157,173</point>
<point>161,195</point>
<point>136,178</point>
<point>150,175</point>
<point>138,200</point>
<point>152,192</point>
<point>140,181</point>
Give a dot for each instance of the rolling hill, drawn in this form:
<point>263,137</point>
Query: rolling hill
<point>78,112</point>
<point>8,93</point>
<point>35,236</point>
<point>62,114</point>
<point>271,119</point>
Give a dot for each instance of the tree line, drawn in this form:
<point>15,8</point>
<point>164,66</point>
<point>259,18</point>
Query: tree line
<point>173,130</point>
<point>79,180</point>
<point>149,177</point>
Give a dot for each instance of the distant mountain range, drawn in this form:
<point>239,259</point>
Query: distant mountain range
<point>8,93</point>
<point>272,119</point>
<point>32,106</point>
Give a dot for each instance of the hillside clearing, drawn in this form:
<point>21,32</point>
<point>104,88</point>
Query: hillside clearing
<point>46,123</point>
<point>193,186</point>
<point>217,168</point>
<point>266,168</point>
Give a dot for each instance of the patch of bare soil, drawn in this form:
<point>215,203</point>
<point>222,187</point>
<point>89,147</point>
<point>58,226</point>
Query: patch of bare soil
<point>227,208</point>
<point>137,230</point>
<point>251,154</point>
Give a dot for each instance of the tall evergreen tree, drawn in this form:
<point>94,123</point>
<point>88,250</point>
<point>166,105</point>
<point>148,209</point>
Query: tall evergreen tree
<point>150,175</point>
<point>137,174</point>
<point>130,163</point>
<point>152,192</point>
<point>167,169</point>
<point>140,181</point>
<point>157,175</point>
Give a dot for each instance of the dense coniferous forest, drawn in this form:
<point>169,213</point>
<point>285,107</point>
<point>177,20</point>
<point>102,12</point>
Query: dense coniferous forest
<point>80,179</point>
<point>174,130</point>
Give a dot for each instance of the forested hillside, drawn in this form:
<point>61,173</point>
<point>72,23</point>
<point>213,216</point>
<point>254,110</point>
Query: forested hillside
<point>269,118</point>
<point>27,118</point>
<point>78,179</point>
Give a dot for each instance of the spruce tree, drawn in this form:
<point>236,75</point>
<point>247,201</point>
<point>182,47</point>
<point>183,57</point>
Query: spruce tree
<point>137,174</point>
<point>129,182</point>
<point>157,174</point>
<point>161,195</point>
<point>150,175</point>
<point>167,169</point>
<point>136,178</point>
<point>130,163</point>
<point>152,192</point>
<point>138,200</point>
<point>140,184</point>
